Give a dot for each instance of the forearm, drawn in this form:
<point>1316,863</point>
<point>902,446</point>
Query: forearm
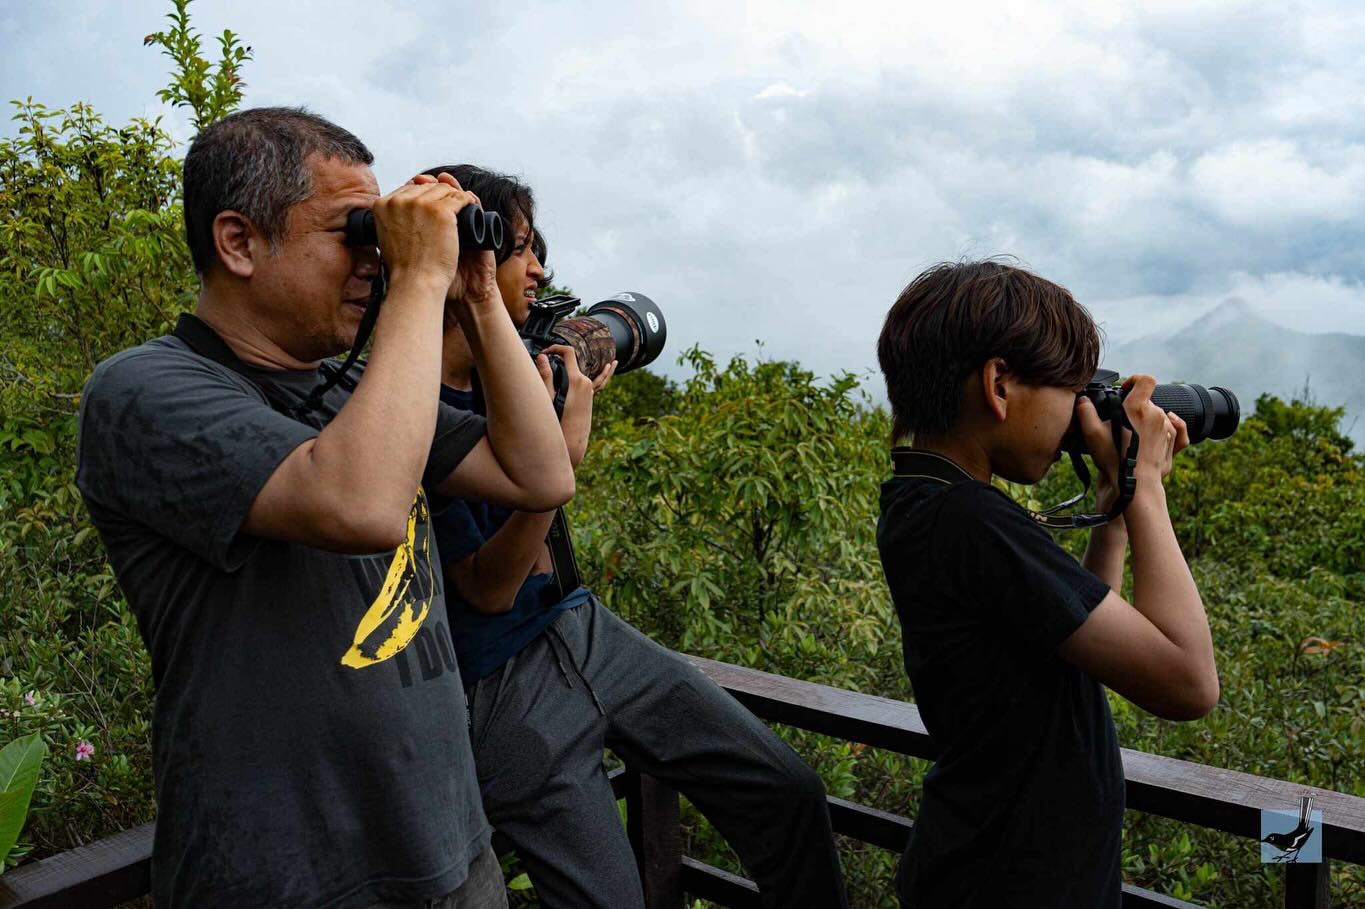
<point>1105,551</point>
<point>523,432</point>
<point>378,443</point>
<point>490,578</point>
<point>1163,588</point>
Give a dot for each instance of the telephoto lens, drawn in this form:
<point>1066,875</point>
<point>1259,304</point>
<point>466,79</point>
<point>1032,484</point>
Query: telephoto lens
<point>1209,413</point>
<point>479,229</point>
<point>627,328</point>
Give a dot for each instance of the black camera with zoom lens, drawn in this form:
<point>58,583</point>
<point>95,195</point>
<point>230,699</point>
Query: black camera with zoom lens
<point>1209,413</point>
<point>478,229</point>
<point>627,328</point>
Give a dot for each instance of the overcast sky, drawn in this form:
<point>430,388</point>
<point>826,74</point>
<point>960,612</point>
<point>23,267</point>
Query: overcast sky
<point>780,170</point>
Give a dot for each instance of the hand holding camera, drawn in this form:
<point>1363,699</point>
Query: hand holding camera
<point>1166,432</point>
<point>621,333</point>
<point>1166,418</point>
<point>576,420</point>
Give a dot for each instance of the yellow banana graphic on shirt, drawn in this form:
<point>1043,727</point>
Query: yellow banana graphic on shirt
<point>396,593</point>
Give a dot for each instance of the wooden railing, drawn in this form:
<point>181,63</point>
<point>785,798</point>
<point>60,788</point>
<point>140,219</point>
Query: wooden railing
<point>1192,793</point>
<point>117,869</point>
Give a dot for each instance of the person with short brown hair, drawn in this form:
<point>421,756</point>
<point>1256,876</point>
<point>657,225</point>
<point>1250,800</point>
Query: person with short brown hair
<point>1008,641</point>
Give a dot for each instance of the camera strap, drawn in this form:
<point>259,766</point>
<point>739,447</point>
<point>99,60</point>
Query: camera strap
<point>558,540</point>
<point>203,340</point>
<point>379,287</point>
<point>916,463</point>
<point>562,556</point>
<point>1127,483</point>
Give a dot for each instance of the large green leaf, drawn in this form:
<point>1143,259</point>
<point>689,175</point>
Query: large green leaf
<point>19,764</point>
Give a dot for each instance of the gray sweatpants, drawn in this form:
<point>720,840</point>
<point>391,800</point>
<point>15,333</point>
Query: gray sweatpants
<point>539,727</point>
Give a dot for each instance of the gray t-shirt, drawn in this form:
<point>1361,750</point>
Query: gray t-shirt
<point>310,741</point>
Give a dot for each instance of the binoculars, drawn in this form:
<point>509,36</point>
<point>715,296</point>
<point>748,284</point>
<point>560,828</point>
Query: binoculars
<point>478,229</point>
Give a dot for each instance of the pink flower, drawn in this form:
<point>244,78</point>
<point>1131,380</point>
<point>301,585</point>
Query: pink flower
<point>31,698</point>
<point>84,750</point>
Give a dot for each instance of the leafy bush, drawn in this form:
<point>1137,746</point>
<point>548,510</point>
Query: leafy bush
<point>92,260</point>
<point>19,763</point>
<point>731,517</point>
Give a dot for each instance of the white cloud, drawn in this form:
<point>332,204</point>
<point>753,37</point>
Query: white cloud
<point>1270,183</point>
<point>781,169</point>
<point>1297,301</point>
<point>780,89</point>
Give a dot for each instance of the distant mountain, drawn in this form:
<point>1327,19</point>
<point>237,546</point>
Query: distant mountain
<point>1233,347</point>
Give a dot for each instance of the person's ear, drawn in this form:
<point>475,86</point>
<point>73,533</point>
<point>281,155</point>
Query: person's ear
<point>237,243</point>
<point>995,387</point>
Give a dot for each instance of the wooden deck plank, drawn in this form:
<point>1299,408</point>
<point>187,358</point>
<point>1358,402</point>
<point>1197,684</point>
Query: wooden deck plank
<point>105,873</point>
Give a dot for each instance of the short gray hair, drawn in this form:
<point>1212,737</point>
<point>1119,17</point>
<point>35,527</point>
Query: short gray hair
<point>256,162</point>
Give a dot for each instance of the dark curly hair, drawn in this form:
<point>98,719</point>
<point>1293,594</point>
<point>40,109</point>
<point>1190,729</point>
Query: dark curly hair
<point>508,196</point>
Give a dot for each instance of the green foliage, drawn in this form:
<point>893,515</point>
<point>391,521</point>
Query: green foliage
<point>553,290</point>
<point>734,524</point>
<point>210,91</point>
<point>1171,860</point>
<point>1303,422</point>
<point>741,511</point>
<point>92,260</point>
<point>731,517</point>
<point>638,395</point>
<point>20,761</point>
<point>91,253</point>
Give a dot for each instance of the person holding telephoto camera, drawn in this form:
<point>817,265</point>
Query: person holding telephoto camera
<point>554,678</point>
<point>1008,642</point>
<point>268,519</point>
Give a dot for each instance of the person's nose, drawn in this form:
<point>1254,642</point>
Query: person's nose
<point>536,270</point>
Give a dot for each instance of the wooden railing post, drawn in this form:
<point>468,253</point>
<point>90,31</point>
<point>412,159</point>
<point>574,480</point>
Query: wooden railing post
<point>653,823</point>
<point>1306,886</point>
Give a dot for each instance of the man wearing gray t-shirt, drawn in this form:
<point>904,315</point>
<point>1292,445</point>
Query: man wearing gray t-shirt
<point>309,740</point>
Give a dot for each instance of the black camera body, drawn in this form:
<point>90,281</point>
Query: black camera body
<point>627,328</point>
<point>1209,413</point>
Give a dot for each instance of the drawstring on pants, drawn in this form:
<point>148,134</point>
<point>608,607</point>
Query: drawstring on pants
<point>554,636</point>
<point>550,638</point>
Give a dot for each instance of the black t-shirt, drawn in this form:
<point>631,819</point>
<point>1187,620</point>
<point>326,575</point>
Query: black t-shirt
<point>310,745</point>
<point>1024,806</point>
